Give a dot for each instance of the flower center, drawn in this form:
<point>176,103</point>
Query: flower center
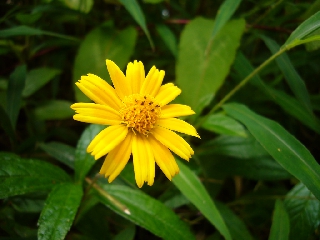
<point>140,112</point>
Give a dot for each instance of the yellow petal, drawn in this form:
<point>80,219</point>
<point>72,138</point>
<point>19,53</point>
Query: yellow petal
<point>153,81</point>
<point>173,141</point>
<point>118,79</point>
<point>167,93</point>
<point>117,158</point>
<point>143,160</point>
<point>178,125</point>
<point>96,113</point>
<point>175,110</point>
<point>99,91</point>
<point>107,140</point>
<point>163,158</point>
<point>135,76</point>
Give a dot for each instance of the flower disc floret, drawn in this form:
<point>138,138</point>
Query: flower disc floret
<point>140,113</point>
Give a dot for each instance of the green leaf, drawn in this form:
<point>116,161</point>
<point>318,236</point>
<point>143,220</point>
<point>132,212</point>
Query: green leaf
<point>281,145</point>
<point>304,212</point>
<point>286,102</point>
<point>222,124</point>
<point>60,209</point>
<point>27,205</point>
<point>83,160</point>
<point>134,9</point>
<point>169,38</point>
<point>80,5</point>
<point>280,223</point>
<point>20,176</point>
<point>37,78</point>
<point>144,211</point>
<point>60,151</point>
<point>30,31</point>
<point>226,10</point>
<point>294,80</point>
<point>54,110</point>
<point>200,75</point>
<point>126,234</point>
<point>237,228</point>
<point>100,44</point>
<point>15,88</point>
<point>190,186</point>
<point>303,30</point>
<point>6,124</point>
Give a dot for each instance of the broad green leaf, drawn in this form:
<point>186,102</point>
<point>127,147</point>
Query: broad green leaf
<point>144,211</point>
<point>83,160</point>
<point>134,9</point>
<point>28,19</point>
<point>200,75</point>
<point>304,212</point>
<point>220,123</point>
<point>80,5</point>
<point>286,102</point>
<point>237,228</point>
<point>226,10</point>
<point>281,145</point>
<point>20,176</point>
<point>15,88</point>
<point>54,110</point>
<point>100,44</point>
<point>37,78</point>
<point>294,80</point>
<point>280,223</point>
<point>30,31</point>
<point>6,124</point>
<point>59,211</point>
<point>190,186</point>
<point>303,30</point>
<point>168,37</point>
<point>60,151</point>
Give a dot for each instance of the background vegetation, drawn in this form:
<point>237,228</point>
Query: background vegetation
<point>250,69</point>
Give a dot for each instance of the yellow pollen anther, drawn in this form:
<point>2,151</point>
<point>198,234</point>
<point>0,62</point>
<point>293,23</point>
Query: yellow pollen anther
<point>140,113</point>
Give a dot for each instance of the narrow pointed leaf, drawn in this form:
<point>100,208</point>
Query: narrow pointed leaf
<point>102,43</point>
<point>6,124</point>
<point>19,176</point>
<point>59,211</point>
<point>144,211</point>
<point>304,212</point>
<point>60,151</point>
<point>293,79</point>
<point>83,160</point>
<point>281,145</point>
<point>15,88</point>
<point>134,9</point>
<point>191,187</point>
<point>200,75</point>
<point>303,30</point>
<point>280,223</point>
<point>169,38</point>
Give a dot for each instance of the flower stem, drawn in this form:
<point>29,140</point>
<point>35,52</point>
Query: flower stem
<point>240,85</point>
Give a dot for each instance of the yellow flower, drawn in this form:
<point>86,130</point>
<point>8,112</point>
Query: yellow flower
<point>140,120</point>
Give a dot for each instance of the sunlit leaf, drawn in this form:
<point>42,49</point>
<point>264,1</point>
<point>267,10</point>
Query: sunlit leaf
<point>189,184</point>
<point>59,211</point>
<point>304,212</point>
<point>144,211</point>
<point>134,9</point>
<point>100,44</point>
<point>281,145</point>
<point>198,74</point>
<point>14,93</point>
<point>37,78</point>
<point>280,223</point>
<point>20,176</point>
<point>83,160</point>
<point>80,5</point>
